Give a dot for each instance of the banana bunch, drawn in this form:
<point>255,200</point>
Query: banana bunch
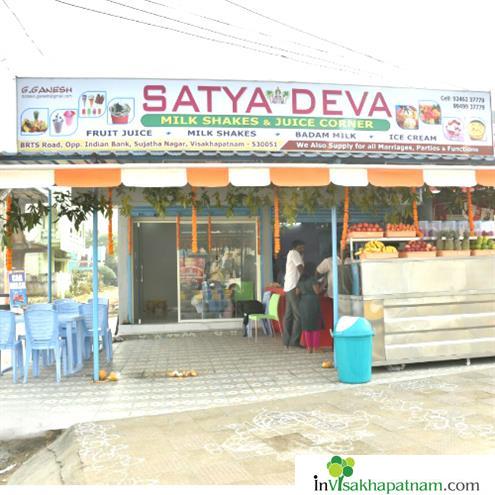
<point>376,247</point>
<point>390,249</point>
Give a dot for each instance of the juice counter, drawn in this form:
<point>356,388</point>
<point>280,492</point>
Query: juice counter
<point>423,309</point>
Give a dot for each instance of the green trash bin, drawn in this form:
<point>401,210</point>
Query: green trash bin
<point>353,338</point>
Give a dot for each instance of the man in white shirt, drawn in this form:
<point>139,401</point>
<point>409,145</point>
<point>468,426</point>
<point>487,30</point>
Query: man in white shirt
<point>325,268</point>
<point>292,319</point>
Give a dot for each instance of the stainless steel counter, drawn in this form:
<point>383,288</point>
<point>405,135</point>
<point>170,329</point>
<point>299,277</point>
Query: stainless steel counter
<point>424,309</point>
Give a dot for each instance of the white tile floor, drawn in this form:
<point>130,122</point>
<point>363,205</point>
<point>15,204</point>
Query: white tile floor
<point>232,370</point>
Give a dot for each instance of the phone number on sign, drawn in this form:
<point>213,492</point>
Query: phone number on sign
<point>469,99</point>
<point>466,106</point>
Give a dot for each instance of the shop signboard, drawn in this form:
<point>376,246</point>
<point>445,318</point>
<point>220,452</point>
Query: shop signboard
<point>152,115</point>
<point>17,289</point>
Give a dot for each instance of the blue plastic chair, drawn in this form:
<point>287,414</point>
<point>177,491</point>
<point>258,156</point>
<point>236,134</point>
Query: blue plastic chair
<point>8,342</point>
<point>47,357</point>
<point>101,300</point>
<point>42,335</point>
<point>39,306</point>
<point>104,332</point>
<point>104,301</point>
<point>68,307</point>
<point>58,302</point>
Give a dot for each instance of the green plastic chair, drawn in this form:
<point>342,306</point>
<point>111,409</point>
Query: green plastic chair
<point>246,291</point>
<point>271,315</point>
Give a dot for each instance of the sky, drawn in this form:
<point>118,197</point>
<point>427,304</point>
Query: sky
<point>429,44</point>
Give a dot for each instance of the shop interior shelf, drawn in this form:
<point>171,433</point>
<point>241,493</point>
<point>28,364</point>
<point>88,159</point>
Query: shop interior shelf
<point>471,238</point>
<point>384,239</point>
<point>400,239</point>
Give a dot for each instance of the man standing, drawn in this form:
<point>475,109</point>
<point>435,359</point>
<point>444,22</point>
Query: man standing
<point>325,268</point>
<point>292,319</point>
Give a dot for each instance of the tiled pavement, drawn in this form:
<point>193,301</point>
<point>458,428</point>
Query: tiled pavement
<point>256,443</point>
<point>232,370</point>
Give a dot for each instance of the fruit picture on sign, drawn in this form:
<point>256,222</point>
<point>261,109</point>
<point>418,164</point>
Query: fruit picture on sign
<point>430,112</point>
<point>406,117</point>
<point>37,124</point>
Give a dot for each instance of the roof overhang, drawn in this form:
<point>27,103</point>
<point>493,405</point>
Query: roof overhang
<point>291,169</point>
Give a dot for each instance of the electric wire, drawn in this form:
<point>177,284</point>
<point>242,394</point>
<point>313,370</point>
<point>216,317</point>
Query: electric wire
<point>326,40</point>
<point>307,33</point>
<point>237,26</point>
<point>5,62</point>
<point>238,38</point>
<point>194,35</point>
<point>28,36</point>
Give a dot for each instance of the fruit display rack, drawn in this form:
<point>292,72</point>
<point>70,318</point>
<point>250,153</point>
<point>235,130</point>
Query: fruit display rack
<point>353,241</point>
<point>378,256</point>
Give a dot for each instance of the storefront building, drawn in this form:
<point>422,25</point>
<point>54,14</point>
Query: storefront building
<point>182,268</point>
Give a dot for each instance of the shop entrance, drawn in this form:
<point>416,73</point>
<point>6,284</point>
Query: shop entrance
<point>317,244</point>
<point>171,284</point>
<point>155,273</point>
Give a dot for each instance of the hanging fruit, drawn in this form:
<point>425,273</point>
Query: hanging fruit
<point>345,225</point>
<point>177,237</point>
<point>129,235</point>
<point>276,223</point>
<point>194,223</point>
<point>415,214</point>
<point>209,233</point>
<point>110,223</point>
<point>258,235</point>
<point>470,210</point>
<point>8,250</point>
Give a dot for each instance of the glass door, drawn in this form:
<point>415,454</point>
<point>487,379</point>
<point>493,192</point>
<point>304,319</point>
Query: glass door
<point>155,272</point>
<point>223,272</point>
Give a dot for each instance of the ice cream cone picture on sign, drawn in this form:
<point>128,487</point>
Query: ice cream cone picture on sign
<point>92,104</point>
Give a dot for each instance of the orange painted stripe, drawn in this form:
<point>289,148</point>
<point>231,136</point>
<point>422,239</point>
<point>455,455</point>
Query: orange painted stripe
<point>105,177</point>
<point>485,177</point>
<point>395,178</point>
<point>208,177</point>
<point>293,177</point>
